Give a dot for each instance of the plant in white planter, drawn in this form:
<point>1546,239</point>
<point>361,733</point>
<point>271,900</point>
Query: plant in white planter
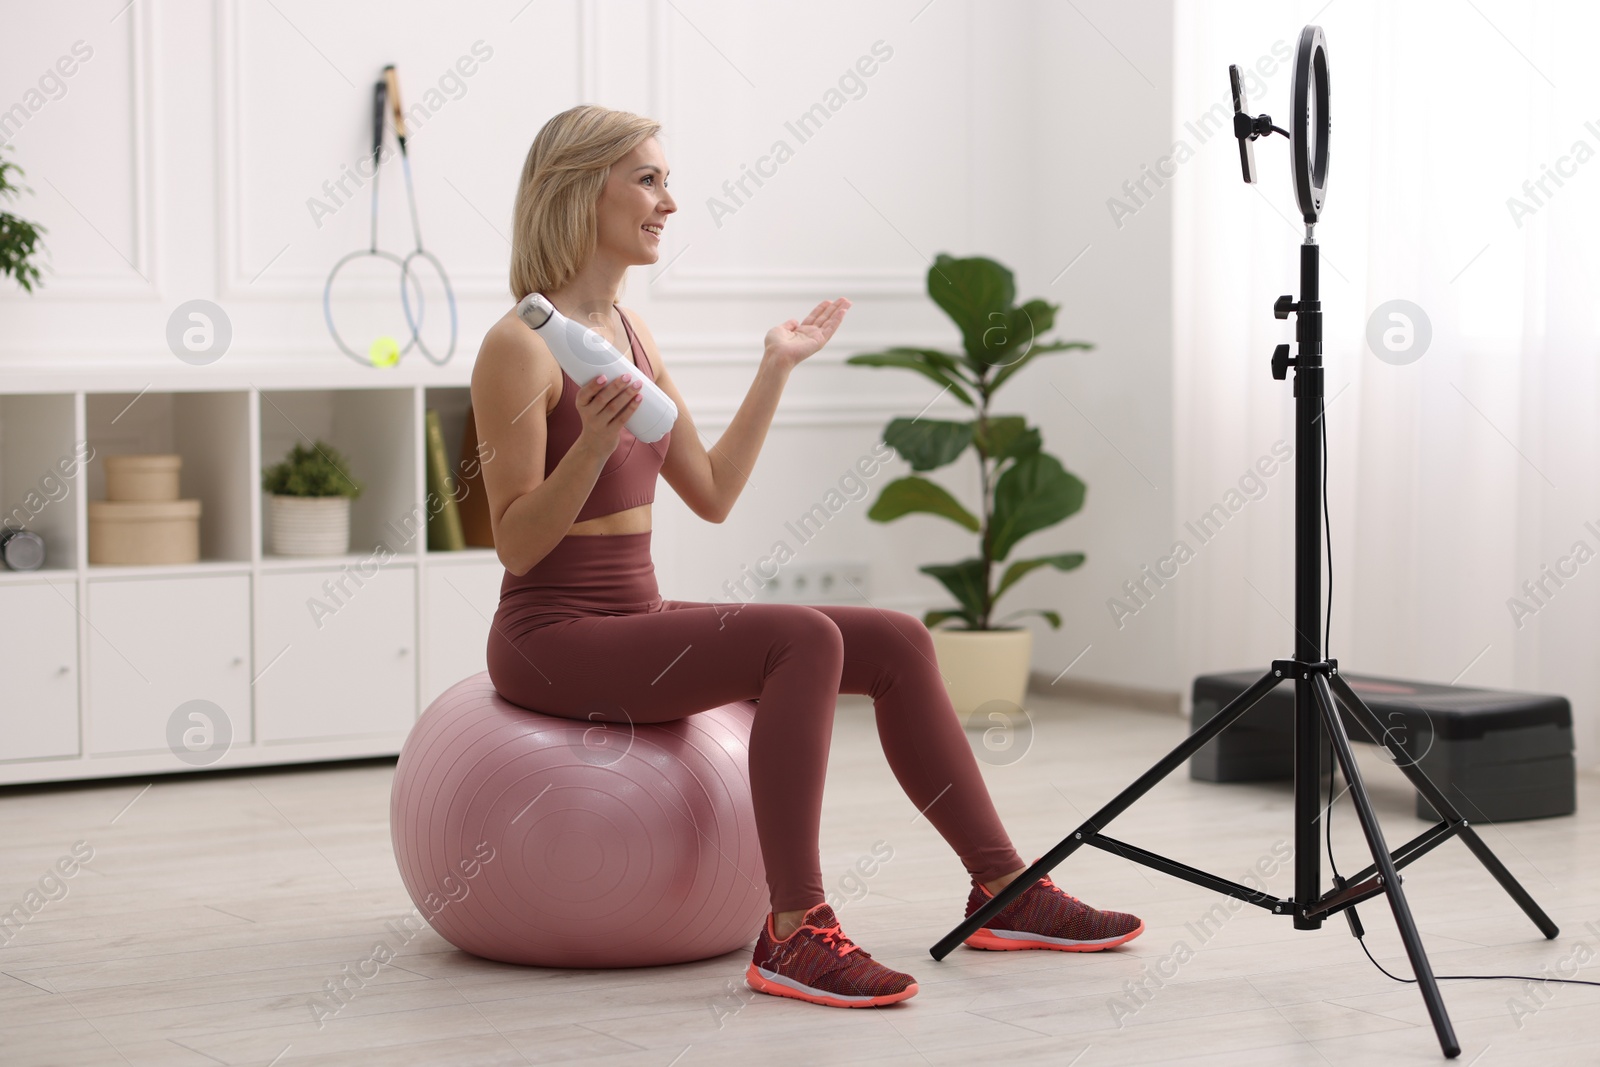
<point>1023,489</point>
<point>310,502</point>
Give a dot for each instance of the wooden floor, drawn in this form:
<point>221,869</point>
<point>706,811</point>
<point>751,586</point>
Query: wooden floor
<point>214,907</point>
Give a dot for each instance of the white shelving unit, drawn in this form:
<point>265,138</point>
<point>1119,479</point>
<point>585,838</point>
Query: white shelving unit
<point>305,659</point>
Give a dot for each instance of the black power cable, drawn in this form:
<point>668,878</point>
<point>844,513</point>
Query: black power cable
<point>1327,818</point>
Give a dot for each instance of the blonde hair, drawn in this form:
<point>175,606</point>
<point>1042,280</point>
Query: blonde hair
<point>555,218</point>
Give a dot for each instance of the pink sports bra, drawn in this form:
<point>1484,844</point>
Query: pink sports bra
<point>628,478</point>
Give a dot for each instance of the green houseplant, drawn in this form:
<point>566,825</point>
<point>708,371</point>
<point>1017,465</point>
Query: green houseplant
<point>19,238</point>
<point>311,490</point>
<point>1023,488</point>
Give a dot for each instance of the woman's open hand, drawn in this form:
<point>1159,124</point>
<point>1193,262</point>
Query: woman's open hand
<point>790,342</point>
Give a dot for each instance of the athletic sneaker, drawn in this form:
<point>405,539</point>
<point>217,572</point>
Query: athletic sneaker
<point>820,964</point>
<point>1045,916</point>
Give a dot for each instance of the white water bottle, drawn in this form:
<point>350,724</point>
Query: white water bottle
<point>585,355</point>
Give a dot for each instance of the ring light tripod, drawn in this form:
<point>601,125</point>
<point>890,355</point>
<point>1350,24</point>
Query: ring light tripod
<point>1319,688</point>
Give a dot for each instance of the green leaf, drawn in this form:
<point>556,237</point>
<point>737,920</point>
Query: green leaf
<point>971,291</point>
<point>1033,493</point>
<point>951,365</point>
<point>910,494</point>
<point>1007,437</point>
<point>968,582</point>
<point>934,618</point>
<point>935,365</point>
<point>319,470</point>
<point>928,444</point>
<point>19,238</point>
<point>1040,315</point>
<point>1012,334</point>
<point>1027,357</point>
<point>1066,561</point>
<point>1052,617</point>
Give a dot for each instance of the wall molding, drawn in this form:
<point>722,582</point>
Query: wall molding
<point>804,283</point>
<point>679,283</point>
<point>589,51</point>
<point>234,278</point>
<point>143,176</point>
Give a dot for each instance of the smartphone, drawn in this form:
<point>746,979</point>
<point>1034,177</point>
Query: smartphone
<point>1247,148</point>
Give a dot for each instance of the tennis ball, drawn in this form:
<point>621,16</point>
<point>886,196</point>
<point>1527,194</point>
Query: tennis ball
<point>384,352</point>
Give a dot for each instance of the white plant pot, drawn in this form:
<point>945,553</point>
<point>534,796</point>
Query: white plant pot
<point>310,525</point>
<point>984,665</point>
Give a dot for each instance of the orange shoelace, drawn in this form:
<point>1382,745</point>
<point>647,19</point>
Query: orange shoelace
<point>1048,884</point>
<point>836,937</point>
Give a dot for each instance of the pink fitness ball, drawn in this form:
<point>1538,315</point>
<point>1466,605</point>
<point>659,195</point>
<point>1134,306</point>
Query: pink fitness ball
<point>534,839</point>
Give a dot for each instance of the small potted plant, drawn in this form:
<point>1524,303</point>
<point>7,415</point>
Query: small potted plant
<point>310,499</point>
<point>19,238</point>
<point>1023,489</point>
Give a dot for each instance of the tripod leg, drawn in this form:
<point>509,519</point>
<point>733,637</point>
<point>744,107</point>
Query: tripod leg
<point>1441,804</point>
<point>1118,804</point>
<point>1385,864</point>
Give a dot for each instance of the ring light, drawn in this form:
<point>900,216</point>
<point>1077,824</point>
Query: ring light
<point>1308,127</point>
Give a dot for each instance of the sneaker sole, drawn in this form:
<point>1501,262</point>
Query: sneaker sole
<point>1006,940</point>
<point>765,981</point>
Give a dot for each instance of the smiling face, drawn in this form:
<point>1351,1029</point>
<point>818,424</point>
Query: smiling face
<point>634,205</point>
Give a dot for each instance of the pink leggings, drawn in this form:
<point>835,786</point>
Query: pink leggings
<point>585,634</point>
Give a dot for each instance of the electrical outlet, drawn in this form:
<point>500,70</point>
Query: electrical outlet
<point>820,582</point>
<point>853,581</point>
<point>831,581</point>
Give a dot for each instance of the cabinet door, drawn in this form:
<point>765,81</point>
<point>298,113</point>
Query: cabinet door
<point>337,655</point>
<point>39,662</point>
<point>460,600</point>
<point>155,644</point>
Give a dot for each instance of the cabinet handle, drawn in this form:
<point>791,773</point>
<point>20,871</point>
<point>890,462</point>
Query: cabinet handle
<point>405,651</point>
<point>238,660</point>
<point>63,669</point>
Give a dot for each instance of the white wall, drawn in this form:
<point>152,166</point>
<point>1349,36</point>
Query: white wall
<point>1104,113</point>
<point>178,160</point>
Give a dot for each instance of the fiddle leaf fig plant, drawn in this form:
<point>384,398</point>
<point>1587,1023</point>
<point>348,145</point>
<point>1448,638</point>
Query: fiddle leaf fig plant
<point>1023,489</point>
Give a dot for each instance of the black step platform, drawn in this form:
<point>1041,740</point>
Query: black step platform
<point>1498,755</point>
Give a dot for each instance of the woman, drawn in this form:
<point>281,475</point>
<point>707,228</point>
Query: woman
<point>582,630</point>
